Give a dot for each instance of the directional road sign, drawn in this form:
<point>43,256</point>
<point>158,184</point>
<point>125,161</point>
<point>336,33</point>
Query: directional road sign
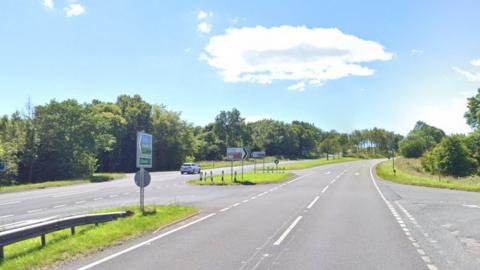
<point>259,154</point>
<point>237,153</point>
<point>144,150</point>
<point>276,161</point>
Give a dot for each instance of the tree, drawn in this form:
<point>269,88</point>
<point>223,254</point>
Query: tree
<point>451,157</point>
<point>138,115</point>
<point>422,138</point>
<point>173,139</point>
<point>473,113</point>
<point>412,147</point>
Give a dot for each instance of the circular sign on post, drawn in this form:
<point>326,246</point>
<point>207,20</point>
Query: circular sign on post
<point>276,161</point>
<point>146,178</point>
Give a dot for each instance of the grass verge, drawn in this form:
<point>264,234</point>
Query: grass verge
<point>62,247</point>
<point>97,177</point>
<point>249,178</point>
<point>316,162</point>
<point>207,165</point>
<point>410,172</point>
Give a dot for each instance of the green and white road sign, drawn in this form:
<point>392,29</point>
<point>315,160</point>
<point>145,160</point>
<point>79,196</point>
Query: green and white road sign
<point>144,150</point>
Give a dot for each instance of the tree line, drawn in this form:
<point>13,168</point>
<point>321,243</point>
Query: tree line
<point>454,155</point>
<point>68,139</point>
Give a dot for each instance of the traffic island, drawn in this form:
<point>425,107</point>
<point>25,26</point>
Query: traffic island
<point>249,178</point>
<point>61,246</point>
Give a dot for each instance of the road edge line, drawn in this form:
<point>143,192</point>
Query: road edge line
<point>88,266</point>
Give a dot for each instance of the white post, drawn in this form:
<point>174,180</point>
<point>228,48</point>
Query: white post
<point>142,189</point>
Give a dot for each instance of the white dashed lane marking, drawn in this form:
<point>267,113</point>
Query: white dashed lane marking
<point>34,211</point>
<point>6,216</point>
<point>313,202</point>
<point>287,231</point>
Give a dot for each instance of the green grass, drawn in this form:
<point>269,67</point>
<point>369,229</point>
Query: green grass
<point>97,177</point>
<point>249,178</point>
<point>206,165</point>
<point>316,162</point>
<point>61,246</point>
<point>410,172</point>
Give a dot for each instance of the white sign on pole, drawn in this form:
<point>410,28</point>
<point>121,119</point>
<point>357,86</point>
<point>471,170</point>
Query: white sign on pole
<point>237,153</point>
<point>259,154</point>
<point>144,150</point>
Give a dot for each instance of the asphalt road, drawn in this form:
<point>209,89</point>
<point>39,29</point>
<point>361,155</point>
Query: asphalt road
<point>331,217</point>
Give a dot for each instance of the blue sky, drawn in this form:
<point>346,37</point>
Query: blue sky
<point>342,65</point>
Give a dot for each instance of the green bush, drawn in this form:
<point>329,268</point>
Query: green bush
<point>412,147</point>
<point>450,157</point>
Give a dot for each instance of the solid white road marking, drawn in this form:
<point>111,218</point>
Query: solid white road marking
<point>470,205</point>
<point>394,213</point>
<point>149,241</point>
<point>325,189</point>
<point>69,194</point>
<point>224,209</point>
<point>287,231</point>
<point>6,216</point>
<point>313,202</point>
<point>8,203</point>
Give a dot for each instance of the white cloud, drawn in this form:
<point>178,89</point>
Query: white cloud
<point>297,87</point>
<point>416,51</point>
<point>301,54</point>
<point>204,27</point>
<point>48,4</point>
<point>471,76</point>
<point>476,62</point>
<point>201,15</point>
<point>255,118</point>
<point>448,117</point>
<point>74,10</point>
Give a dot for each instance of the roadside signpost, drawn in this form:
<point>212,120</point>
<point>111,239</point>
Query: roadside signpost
<point>236,154</point>
<point>144,160</point>
<point>3,166</point>
<point>258,155</point>
<point>276,164</point>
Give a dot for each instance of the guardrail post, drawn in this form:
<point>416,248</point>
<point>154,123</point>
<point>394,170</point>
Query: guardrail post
<point>211,176</point>
<point>235,177</point>
<point>222,177</point>
<point>1,253</point>
<point>72,229</point>
<point>42,237</point>
<point>201,176</point>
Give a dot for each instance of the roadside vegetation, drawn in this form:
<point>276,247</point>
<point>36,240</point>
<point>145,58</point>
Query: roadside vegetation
<point>410,171</point>
<point>62,247</point>
<point>207,165</point>
<point>249,178</point>
<point>95,178</point>
<point>316,162</point>
<point>439,160</point>
<point>63,140</point>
